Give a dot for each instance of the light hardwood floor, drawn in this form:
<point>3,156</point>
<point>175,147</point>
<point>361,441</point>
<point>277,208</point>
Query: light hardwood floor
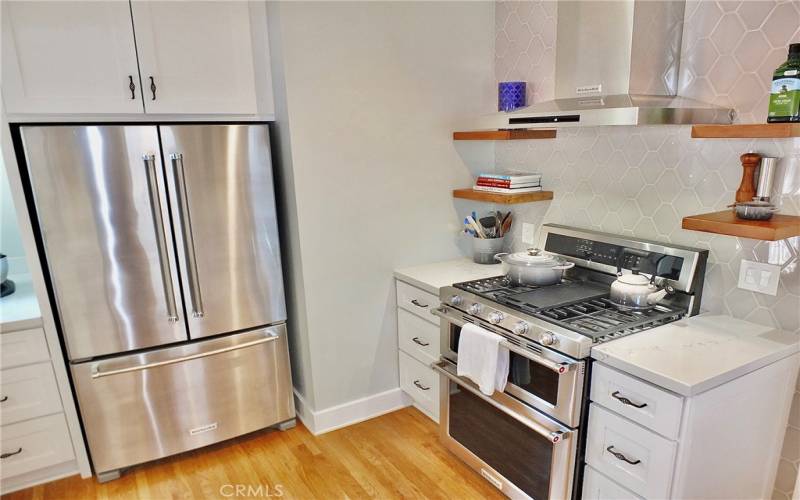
<point>397,455</point>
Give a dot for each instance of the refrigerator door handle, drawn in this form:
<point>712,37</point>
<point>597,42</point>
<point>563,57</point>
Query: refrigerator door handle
<point>263,337</point>
<point>188,239</point>
<point>161,242</point>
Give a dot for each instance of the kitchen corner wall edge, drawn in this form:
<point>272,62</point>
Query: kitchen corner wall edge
<point>346,414</point>
<point>81,465</point>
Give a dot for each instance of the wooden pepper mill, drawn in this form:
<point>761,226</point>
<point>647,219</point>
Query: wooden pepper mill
<point>747,188</point>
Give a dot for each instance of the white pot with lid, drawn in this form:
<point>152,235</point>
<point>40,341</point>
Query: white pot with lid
<point>533,267</point>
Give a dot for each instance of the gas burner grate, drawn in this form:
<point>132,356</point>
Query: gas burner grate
<point>601,319</point>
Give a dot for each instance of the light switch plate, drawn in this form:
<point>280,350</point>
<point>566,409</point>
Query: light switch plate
<point>528,233</point>
<point>759,277</point>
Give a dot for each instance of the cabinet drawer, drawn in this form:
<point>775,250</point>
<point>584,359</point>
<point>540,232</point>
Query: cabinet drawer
<point>641,402</point>
<point>421,383</point>
<point>23,348</point>
<point>644,460</point>
<point>417,337</point>
<point>598,487</point>
<point>35,444</point>
<point>417,301</point>
<point>28,392</point>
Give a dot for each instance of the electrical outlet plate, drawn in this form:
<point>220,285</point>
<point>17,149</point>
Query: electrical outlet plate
<point>528,233</point>
<point>759,277</point>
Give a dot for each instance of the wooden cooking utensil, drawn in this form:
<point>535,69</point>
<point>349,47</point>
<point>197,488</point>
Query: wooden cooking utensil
<point>747,188</point>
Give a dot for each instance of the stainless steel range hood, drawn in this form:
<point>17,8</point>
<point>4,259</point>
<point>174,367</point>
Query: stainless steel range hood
<point>617,63</point>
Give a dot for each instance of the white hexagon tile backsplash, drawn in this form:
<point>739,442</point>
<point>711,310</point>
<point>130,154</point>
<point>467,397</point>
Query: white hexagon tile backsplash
<point>641,181</point>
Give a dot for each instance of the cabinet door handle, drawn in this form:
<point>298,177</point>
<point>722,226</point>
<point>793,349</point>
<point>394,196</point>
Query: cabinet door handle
<point>3,399</point>
<point>626,401</point>
<point>11,454</point>
<point>153,87</point>
<point>132,86</point>
<point>418,341</point>
<point>416,382</point>
<point>418,304</point>
<point>620,456</point>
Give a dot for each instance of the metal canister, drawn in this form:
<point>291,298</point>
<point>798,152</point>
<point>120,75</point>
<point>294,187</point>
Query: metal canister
<point>766,174</point>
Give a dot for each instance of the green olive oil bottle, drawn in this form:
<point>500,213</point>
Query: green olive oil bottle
<point>784,100</point>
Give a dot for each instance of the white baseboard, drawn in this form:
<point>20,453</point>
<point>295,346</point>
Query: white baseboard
<point>336,417</point>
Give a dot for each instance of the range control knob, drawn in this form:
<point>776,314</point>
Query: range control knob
<point>521,328</point>
<point>495,317</point>
<point>474,309</point>
<point>456,300</point>
<point>548,338</point>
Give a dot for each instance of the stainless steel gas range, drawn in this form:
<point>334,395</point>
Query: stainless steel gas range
<point>528,440</point>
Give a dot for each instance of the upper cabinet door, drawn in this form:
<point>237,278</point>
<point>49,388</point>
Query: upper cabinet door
<point>195,56</point>
<point>69,57</point>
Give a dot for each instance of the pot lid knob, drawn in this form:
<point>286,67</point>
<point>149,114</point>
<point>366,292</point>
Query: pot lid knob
<point>534,252</point>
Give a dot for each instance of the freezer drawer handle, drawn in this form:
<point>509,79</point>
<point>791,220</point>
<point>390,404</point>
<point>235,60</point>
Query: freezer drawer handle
<point>161,241</point>
<point>97,372</point>
<point>11,454</point>
<point>188,238</point>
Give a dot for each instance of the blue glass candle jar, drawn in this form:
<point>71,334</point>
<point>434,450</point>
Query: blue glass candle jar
<point>510,96</point>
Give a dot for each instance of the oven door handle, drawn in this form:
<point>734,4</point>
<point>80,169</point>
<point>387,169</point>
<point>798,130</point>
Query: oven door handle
<point>554,435</point>
<point>559,368</point>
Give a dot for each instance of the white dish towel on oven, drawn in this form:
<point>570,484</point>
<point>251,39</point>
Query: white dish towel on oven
<point>482,359</point>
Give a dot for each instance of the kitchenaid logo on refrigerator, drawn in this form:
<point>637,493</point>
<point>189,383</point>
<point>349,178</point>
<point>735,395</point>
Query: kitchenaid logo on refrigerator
<point>203,428</point>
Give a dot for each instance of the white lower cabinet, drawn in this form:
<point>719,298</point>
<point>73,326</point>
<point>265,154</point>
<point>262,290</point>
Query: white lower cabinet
<point>34,444</point>
<point>598,487</point>
<point>35,441</point>
<point>418,340</point>
<point>420,382</point>
<point>633,456</point>
<point>644,441</point>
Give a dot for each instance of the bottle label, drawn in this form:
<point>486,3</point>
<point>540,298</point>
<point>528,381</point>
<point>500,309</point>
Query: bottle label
<point>784,100</point>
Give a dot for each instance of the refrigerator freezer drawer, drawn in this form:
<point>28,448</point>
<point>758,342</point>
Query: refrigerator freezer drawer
<point>141,407</point>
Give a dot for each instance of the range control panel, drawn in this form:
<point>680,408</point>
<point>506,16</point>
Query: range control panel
<point>665,266</point>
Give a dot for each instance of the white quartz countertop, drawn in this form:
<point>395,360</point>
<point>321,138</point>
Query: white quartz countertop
<point>20,310</point>
<point>431,277</point>
<point>696,354</point>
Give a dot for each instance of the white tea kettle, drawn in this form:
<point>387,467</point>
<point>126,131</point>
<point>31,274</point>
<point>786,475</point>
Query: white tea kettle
<point>637,290</point>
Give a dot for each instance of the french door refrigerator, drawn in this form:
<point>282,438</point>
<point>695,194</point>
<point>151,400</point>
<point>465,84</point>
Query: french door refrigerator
<point>161,243</point>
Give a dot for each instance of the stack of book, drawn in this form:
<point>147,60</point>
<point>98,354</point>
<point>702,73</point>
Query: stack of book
<point>509,182</point>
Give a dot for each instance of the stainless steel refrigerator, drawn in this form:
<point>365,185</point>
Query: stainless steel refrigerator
<point>161,244</point>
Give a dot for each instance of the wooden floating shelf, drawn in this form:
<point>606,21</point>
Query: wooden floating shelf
<point>779,227</point>
<point>749,131</point>
<point>505,199</point>
<point>504,135</point>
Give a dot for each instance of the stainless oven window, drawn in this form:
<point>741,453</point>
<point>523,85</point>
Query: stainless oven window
<point>504,443</point>
<point>526,374</point>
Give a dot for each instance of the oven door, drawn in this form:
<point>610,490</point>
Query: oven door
<point>522,452</point>
<point>545,379</point>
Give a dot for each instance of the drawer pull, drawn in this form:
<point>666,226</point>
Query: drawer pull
<point>626,401</point>
<point>620,456</point>
<point>3,399</point>
<point>418,304</point>
<point>416,382</point>
<point>11,454</point>
<point>418,341</point>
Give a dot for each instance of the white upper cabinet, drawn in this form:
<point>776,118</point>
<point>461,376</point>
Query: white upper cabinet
<point>183,57</point>
<point>69,57</point>
<point>197,55</point>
